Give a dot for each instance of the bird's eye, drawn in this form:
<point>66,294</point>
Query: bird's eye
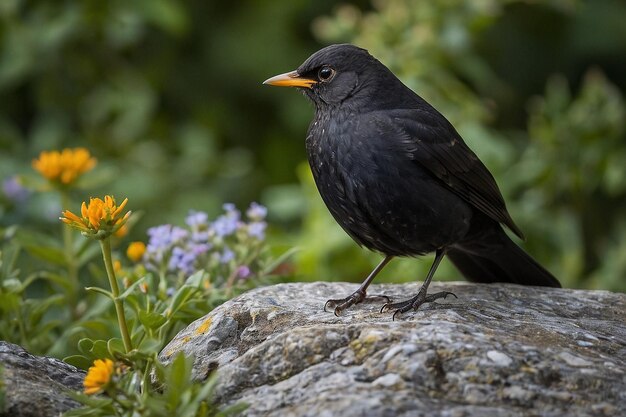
<point>326,73</point>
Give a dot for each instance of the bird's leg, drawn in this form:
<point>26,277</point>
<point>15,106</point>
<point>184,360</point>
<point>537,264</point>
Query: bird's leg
<point>360,294</point>
<point>421,297</point>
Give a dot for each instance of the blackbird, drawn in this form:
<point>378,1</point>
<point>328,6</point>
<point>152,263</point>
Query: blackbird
<point>400,180</point>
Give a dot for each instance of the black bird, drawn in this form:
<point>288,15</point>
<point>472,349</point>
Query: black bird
<point>399,179</point>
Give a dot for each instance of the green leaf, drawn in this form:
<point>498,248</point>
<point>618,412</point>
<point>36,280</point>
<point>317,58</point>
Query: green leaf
<point>98,306</point>
<point>9,302</point>
<point>195,279</point>
<point>85,345</point>
<point>42,306</point>
<point>29,237</point>
<point>115,346</point>
<point>278,261</point>
<point>100,349</point>
<point>94,405</point>
<point>149,344</point>
<point>178,375</point>
<point>131,288</point>
<point>101,291</point>
<point>93,327</point>
<point>78,361</point>
<point>8,257</point>
<point>58,279</point>
<point>181,296</point>
<point>151,319</point>
<point>233,410</point>
<point>47,253</point>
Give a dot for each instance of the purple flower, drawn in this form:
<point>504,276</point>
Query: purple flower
<point>257,230</point>
<point>13,189</point>
<point>227,256</point>
<point>197,219</point>
<point>200,248</point>
<point>243,272</point>
<point>182,260</point>
<point>178,234</point>
<point>225,226</point>
<point>200,237</point>
<point>198,222</point>
<point>230,208</point>
<point>256,212</point>
<point>162,239</point>
<point>166,235</point>
<point>227,223</point>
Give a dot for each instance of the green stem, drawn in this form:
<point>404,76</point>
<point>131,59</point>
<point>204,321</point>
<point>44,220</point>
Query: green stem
<point>70,259</point>
<point>115,290</point>
<point>146,378</point>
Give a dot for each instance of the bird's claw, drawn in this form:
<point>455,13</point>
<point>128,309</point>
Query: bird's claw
<point>341,304</point>
<point>356,297</point>
<point>415,302</point>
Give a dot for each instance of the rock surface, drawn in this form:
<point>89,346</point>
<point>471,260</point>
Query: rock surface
<point>499,350</point>
<point>34,386</point>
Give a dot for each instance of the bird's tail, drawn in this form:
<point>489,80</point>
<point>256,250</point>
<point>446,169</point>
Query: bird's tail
<point>496,258</point>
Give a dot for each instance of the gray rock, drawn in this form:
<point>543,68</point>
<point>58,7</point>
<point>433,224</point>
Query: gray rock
<point>35,386</point>
<point>499,350</point>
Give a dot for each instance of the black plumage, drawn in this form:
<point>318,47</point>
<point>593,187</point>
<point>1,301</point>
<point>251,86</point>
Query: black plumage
<point>399,179</point>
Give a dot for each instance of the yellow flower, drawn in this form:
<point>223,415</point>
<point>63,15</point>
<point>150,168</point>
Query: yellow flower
<point>99,218</point>
<point>98,376</point>
<point>135,251</point>
<point>66,166</point>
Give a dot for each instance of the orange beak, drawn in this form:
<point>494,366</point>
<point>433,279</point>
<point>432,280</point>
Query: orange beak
<point>290,79</point>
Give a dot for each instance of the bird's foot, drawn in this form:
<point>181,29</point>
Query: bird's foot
<point>415,302</point>
<point>356,297</point>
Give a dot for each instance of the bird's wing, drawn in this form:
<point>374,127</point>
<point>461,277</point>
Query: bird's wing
<point>431,141</point>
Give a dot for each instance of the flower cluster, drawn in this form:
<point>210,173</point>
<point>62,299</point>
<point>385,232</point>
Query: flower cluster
<point>66,166</point>
<point>230,244</point>
<point>99,219</point>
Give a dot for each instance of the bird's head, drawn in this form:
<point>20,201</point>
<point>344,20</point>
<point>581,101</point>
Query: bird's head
<point>335,73</point>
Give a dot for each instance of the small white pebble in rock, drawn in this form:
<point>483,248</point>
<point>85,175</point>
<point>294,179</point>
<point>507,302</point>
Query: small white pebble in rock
<point>518,393</point>
<point>584,343</point>
<point>604,408</point>
<point>572,360</point>
<point>406,349</point>
<point>499,358</point>
<point>387,380</point>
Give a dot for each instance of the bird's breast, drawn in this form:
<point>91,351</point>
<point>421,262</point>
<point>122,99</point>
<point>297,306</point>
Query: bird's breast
<point>381,198</point>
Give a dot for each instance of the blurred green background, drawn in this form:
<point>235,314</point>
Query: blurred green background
<point>168,96</point>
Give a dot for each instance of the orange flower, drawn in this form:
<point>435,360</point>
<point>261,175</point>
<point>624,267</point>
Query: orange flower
<point>99,218</point>
<point>135,251</point>
<point>117,266</point>
<point>98,376</point>
<point>66,166</point>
